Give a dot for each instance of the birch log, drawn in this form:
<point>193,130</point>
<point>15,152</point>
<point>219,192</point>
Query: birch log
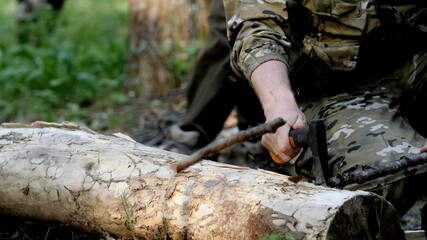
<point>99,183</point>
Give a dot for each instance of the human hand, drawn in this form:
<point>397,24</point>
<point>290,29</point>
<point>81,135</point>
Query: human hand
<point>278,143</point>
<point>424,149</point>
<point>271,83</point>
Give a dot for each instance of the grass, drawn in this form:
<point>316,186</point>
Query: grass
<point>128,216</point>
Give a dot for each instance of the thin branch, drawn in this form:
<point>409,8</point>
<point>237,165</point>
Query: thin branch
<point>365,175</point>
<point>223,143</point>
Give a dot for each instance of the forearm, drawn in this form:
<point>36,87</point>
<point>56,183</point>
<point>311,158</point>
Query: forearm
<point>257,34</point>
<point>271,83</point>
<point>260,52</point>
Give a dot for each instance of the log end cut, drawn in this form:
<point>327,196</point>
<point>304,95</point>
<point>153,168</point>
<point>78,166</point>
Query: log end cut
<point>367,217</point>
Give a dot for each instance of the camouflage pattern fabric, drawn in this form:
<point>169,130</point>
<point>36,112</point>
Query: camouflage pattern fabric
<point>370,110</point>
<point>257,32</point>
<point>366,128</point>
<point>263,30</point>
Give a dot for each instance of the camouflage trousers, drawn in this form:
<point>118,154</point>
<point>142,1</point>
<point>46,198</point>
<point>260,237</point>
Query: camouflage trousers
<point>376,123</point>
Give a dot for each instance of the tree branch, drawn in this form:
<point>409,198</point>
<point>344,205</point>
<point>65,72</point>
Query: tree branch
<point>344,179</point>
<point>220,144</point>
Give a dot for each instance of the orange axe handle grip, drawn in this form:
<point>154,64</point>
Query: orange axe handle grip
<point>291,141</point>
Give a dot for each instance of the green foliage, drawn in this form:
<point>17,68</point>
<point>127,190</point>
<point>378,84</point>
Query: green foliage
<point>77,71</point>
<point>128,216</point>
<point>182,63</point>
<point>60,75</point>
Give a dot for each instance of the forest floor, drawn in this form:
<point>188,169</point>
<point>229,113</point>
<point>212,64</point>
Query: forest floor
<point>147,121</point>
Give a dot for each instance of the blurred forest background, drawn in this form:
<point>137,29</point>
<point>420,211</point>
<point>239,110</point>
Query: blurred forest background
<point>103,64</point>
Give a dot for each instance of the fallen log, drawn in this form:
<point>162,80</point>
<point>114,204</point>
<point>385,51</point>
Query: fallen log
<point>111,184</point>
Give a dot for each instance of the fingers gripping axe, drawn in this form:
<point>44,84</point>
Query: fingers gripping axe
<point>313,137</point>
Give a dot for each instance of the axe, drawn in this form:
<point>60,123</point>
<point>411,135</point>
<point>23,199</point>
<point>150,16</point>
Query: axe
<point>313,137</point>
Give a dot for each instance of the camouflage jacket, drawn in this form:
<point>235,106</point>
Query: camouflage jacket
<point>263,30</point>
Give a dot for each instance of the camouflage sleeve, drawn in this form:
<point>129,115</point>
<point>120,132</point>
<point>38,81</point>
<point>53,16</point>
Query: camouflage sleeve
<point>256,30</point>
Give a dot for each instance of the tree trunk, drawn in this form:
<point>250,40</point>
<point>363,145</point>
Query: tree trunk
<point>160,32</point>
<point>100,183</point>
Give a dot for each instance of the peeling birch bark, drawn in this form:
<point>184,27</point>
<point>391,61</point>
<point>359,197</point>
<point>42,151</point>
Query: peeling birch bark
<point>99,183</point>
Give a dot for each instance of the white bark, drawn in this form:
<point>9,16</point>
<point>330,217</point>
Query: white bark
<point>69,174</point>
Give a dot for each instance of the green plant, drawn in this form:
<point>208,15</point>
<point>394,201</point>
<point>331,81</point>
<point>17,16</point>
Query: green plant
<point>68,73</point>
<point>163,230</point>
<point>128,216</point>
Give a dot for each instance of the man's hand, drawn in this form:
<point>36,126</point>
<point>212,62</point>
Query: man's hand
<point>271,83</point>
<point>424,149</point>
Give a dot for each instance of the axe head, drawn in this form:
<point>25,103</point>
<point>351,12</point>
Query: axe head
<point>314,137</point>
<point>318,145</point>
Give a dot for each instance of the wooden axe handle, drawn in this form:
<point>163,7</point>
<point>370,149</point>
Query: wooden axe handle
<point>223,143</point>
